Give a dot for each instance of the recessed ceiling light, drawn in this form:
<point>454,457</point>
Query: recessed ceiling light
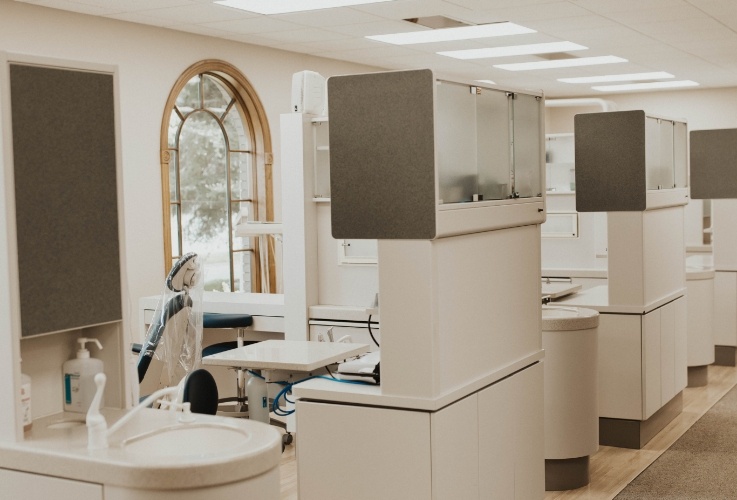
<point>513,50</point>
<point>646,86</point>
<point>486,81</point>
<point>448,34</point>
<point>561,63</point>
<point>629,77</point>
<point>284,6</point>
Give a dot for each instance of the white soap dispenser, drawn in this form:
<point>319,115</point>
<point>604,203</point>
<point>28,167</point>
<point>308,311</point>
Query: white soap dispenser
<point>79,378</point>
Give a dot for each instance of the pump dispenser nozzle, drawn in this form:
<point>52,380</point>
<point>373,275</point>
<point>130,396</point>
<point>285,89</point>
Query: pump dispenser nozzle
<point>82,352</point>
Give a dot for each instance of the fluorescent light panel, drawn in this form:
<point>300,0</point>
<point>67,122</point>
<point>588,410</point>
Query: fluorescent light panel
<point>647,86</point>
<point>283,6</point>
<point>629,77</point>
<point>513,50</point>
<point>561,63</point>
<point>490,82</point>
<point>448,34</point>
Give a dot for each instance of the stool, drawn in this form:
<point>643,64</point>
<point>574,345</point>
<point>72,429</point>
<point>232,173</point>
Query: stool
<point>241,322</point>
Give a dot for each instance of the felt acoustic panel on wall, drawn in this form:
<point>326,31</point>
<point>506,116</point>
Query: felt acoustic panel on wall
<point>713,164</point>
<point>63,126</point>
<point>382,155</point>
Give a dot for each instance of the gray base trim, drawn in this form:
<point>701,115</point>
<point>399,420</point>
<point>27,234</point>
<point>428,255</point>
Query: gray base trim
<point>566,474</point>
<point>698,376</point>
<point>635,434</point>
<point>725,355</point>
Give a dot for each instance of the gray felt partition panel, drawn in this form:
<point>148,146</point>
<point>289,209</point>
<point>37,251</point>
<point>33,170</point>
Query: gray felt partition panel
<point>713,164</point>
<point>382,155</point>
<point>63,128</point>
<point>610,161</point>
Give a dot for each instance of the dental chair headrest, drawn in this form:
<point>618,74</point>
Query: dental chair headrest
<point>184,274</point>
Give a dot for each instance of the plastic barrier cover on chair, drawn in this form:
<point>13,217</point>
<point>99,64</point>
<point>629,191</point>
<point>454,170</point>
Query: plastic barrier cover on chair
<point>175,334</point>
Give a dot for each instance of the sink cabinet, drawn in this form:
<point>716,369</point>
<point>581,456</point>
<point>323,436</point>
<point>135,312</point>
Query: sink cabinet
<point>25,485</point>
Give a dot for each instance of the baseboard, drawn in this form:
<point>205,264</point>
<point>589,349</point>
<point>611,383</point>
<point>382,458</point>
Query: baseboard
<point>635,434</point>
<point>725,355</point>
<point>566,473</point>
<point>698,376</point>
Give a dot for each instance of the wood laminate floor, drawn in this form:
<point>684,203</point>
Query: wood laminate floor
<point>611,468</point>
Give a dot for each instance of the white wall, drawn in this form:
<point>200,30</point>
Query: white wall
<point>149,61</point>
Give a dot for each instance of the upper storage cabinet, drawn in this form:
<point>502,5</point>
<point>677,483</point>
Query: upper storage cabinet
<point>629,161</point>
<point>414,157</point>
<point>714,164</point>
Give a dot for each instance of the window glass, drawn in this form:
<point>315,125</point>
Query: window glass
<point>212,183</point>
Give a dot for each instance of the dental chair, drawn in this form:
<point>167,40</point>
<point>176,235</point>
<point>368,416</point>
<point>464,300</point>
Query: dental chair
<point>176,324</point>
<point>173,317</point>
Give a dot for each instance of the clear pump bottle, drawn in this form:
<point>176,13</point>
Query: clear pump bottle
<point>79,378</point>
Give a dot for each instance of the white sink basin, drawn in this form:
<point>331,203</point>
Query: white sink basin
<point>188,440</point>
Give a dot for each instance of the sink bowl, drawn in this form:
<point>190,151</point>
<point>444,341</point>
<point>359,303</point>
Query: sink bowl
<point>187,440</point>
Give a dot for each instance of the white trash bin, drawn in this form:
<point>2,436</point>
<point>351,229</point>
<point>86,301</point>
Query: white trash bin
<point>570,339</point>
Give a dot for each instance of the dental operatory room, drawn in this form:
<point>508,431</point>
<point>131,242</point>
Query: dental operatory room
<point>368,249</point>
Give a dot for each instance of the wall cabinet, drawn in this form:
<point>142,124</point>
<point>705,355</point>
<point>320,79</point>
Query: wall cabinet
<point>630,161</point>
<point>415,157</point>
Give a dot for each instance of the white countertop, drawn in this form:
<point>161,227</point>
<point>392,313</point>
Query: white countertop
<point>556,289</point>
<point>341,313</point>
<point>321,389</point>
<point>294,355</point>
<point>57,446</point>
<point>597,298</point>
<point>255,304</point>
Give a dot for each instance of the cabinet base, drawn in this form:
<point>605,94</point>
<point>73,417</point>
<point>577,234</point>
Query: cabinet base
<point>698,376</point>
<point>725,355</point>
<point>566,473</point>
<point>635,434</point>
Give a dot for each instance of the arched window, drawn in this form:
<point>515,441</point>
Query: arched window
<point>216,173</point>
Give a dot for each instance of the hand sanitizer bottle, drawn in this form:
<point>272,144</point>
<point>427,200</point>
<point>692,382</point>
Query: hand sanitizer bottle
<point>79,378</point>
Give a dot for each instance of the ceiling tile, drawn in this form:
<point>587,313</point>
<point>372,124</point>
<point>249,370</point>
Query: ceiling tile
<point>330,17</point>
<point>257,24</point>
<point>76,6</point>
<point>198,13</point>
<point>301,35</point>
<point>136,5</point>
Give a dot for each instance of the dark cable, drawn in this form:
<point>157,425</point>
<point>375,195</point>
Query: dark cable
<point>372,333</point>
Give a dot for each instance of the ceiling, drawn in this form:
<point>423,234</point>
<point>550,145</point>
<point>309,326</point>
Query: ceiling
<point>691,39</point>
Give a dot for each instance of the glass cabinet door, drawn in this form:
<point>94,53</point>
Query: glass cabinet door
<point>527,157</point>
<point>680,153</point>
<point>493,144</point>
<point>456,142</point>
<point>320,129</point>
<point>659,153</point>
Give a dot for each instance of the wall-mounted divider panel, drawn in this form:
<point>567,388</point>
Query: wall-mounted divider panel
<point>629,161</point>
<point>414,157</point>
<point>66,209</point>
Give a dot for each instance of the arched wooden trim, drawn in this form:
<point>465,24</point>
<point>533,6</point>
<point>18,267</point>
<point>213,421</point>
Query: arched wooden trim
<point>263,146</point>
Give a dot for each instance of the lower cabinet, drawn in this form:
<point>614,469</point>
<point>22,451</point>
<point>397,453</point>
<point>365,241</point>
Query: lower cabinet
<point>725,308</point>
<point>488,445</point>
<point>642,360</point>
<point>17,485</point>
